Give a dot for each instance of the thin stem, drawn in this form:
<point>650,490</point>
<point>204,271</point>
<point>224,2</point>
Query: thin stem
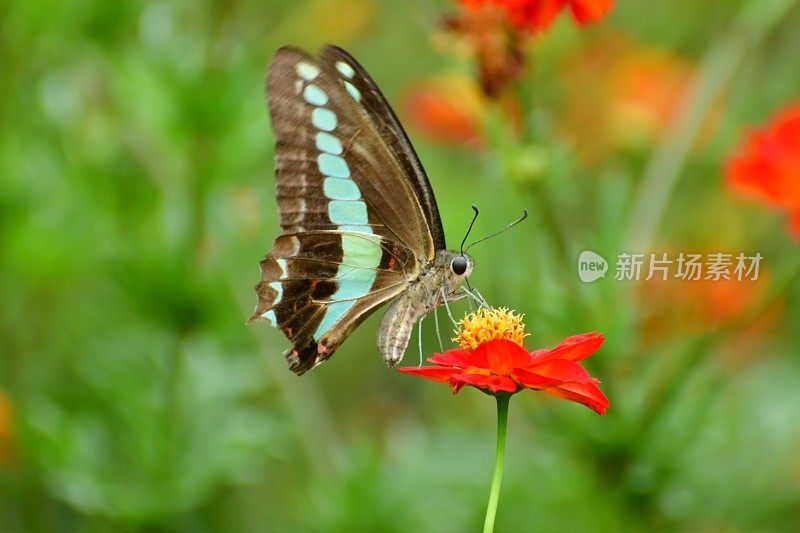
<point>497,478</point>
<point>541,195</point>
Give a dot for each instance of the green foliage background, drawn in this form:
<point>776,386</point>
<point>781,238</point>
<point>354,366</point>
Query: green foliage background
<point>135,204</point>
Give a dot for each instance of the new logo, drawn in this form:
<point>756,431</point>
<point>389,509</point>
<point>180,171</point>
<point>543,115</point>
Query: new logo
<point>591,266</point>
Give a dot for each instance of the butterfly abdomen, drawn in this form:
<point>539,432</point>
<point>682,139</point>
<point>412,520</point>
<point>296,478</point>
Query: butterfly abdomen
<point>396,327</point>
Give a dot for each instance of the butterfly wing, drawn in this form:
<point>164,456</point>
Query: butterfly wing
<point>358,82</point>
<point>356,232</point>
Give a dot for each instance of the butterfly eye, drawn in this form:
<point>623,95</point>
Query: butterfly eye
<point>459,265</point>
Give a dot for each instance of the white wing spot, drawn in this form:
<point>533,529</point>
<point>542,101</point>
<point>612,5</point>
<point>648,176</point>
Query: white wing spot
<point>282,263</point>
<point>345,69</point>
<point>270,315</point>
<point>307,71</point>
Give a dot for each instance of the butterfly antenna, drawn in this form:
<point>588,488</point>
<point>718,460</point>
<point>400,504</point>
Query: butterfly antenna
<point>474,218</point>
<point>496,233</point>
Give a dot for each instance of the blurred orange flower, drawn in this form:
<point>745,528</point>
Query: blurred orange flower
<point>693,306</point>
<point>676,308</point>
<point>540,14</point>
<point>447,109</point>
<point>451,109</point>
<point>498,48</point>
<point>6,427</point>
<point>621,95</point>
<point>766,165</point>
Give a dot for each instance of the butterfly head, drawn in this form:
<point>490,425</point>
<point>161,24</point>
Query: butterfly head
<point>461,265</point>
<point>455,268</point>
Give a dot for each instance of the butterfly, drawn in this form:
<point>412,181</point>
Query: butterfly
<point>360,223</point>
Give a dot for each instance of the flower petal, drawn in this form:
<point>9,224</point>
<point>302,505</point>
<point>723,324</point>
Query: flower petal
<point>589,395</point>
<point>502,356</point>
<point>586,11</point>
<point>458,357</point>
<point>539,14</point>
<point>441,374</point>
<point>538,353</point>
<point>491,383</point>
<point>456,386</point>
<point>562,370</point>
<point>794,223</point>
<point>573,348</point>
<point>529,380</point>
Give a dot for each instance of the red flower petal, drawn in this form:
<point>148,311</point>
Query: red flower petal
<point>455,386</point>
<point>529,380</point>
<point>573,348</point>
<point>489,382</point>
<point>502,356</point>
<point>458,357</point>
<point>766,164</point>
<point>586,11</point>
<point>562,370</point>
<point>795,223</point>
<point>589,395</point>
<point>435,373</point>
<point>538,14</point>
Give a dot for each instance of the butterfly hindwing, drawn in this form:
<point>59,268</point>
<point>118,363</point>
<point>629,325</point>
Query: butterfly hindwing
<point>309,282</point>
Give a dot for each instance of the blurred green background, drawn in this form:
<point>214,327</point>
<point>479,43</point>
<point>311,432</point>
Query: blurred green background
<point>136,199</point>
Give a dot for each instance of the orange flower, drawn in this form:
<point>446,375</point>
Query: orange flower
<point>6,428</point>
<point>766,165</point>
<point>622,95</point>
<point>491,358</point>
<point>680,307</point>
<point>447,109</point>
<point>540,14</point>
<point>498,48</point>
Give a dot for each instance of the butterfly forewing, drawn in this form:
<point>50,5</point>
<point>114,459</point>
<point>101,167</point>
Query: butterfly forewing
<point>359,83</point>
<point>355,231</point>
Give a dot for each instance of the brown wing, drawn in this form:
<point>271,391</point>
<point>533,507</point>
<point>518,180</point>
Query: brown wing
<point>355,230</point>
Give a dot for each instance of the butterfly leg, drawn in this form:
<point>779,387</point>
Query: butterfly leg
<point>419,337</point>
<point>470,301</point>
<point>436,325</point>
<point>447,307</point>
<point>476,296</point>
<point>482,298</point>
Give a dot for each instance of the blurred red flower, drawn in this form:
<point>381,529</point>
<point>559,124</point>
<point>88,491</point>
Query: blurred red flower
<point>623,95</point>
<point>451,109</point>
<point>766,165</point>
<point>678,308</point>
<point>502,365</point>
<point>497,31</point>
<point>540,14</point>
<point>448,109</point>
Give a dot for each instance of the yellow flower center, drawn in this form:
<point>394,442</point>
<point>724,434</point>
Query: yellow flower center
<point>487,324</point>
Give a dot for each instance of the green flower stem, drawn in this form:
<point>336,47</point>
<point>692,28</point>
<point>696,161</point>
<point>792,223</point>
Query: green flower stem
<point>497,478</point>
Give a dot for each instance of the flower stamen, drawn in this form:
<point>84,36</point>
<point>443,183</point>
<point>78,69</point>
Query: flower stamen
<point>488,323</point>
